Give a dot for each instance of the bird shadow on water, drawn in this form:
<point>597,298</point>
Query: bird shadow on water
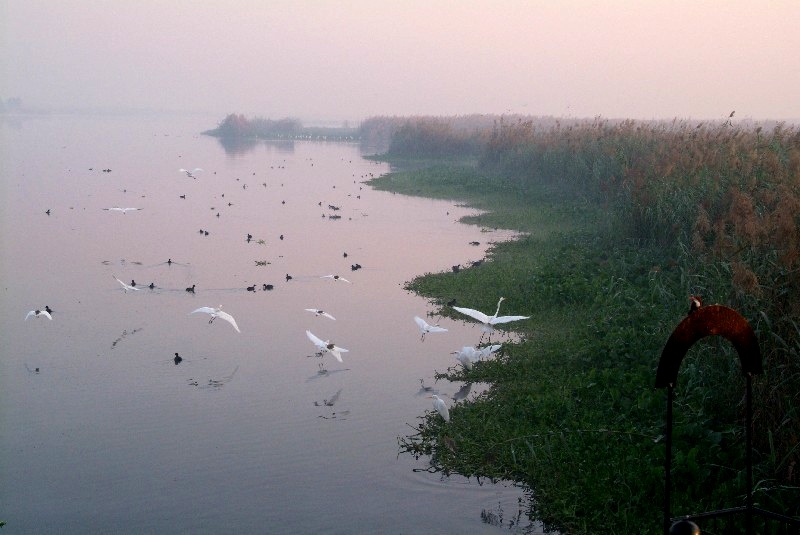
<point>212,383</point>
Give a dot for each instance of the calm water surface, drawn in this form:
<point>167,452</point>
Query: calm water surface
<point>101,432</point>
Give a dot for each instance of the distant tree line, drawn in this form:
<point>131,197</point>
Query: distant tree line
<point>238,127</point>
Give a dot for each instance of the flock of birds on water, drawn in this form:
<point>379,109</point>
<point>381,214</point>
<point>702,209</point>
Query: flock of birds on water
<point>467,356</point>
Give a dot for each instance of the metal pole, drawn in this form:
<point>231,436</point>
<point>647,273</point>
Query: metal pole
<point>749,441</point>
<point>668,462</point>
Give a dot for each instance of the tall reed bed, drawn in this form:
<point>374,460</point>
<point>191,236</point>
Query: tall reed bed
<point>718,206</point>
<point>725,199</point>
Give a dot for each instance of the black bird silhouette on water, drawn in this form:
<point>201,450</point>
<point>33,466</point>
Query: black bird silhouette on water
<point>133,283</point>
<point>48,309</point>
<point>152,285</point>
<point>191,289</point>
<point>177,359</point>
<point>288,277</point>
<point>251,288</point>
<point>355,267</point>
<point>48,211</point>
<point>169,262</point>
<point>268,287</point>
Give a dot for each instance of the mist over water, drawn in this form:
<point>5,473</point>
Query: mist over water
<point>103,432</point>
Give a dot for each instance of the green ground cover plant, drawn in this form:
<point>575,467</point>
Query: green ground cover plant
<point>622,223</point>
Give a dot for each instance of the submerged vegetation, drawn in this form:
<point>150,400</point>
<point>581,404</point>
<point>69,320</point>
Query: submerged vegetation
<point>623,221</point>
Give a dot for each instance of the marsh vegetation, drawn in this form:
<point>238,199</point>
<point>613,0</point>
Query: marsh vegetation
<point>623,221</point>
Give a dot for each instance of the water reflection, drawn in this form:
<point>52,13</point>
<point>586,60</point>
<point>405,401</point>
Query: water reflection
<point>241,146</point>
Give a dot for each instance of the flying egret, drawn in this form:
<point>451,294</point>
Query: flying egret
<point>189,173</point>
<point>218,313</point>
<point>126,287</point>
<point>123,210</point>
<point>489,321</point>
<point>322,347</point>
<point>336,278</point>
<point>440,406</point>
<point>38,314</point>
<point>425,327</point>
<point>318,312</point>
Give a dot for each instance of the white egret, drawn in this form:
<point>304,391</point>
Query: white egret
<point>425,327</point>
<point>217,313</point>
<point>123,210</point>
<point>441,407</point>
<point>336,278</point>
<point>190,174</point>
<point>323,346</point>
<point>469,355</point>
<point>489,321</point>
<point>318,312</point>
<point>126,287</point>
<point>38,314</point>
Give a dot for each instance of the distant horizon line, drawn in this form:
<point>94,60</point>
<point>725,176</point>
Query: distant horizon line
<point>144,111</point>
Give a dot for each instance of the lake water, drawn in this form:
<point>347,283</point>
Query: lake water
<point>100,431</point>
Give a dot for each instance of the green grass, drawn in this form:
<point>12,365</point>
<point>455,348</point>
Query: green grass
<point>572,411</point>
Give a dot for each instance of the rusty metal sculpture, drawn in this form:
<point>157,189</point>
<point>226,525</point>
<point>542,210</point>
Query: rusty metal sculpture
<point>705,321</point>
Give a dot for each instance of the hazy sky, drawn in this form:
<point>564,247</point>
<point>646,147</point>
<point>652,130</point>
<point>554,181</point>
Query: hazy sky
<point>353,59</point>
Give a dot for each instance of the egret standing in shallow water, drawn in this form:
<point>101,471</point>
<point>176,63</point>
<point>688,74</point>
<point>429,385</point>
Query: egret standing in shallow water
<point>489,321</point>
<point>425,328</point>
<point>441,407</point>
<point>217,313</point>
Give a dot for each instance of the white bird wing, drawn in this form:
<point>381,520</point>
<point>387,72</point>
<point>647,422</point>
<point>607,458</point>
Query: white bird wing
<point>227,317</point>
<point>506,319</point>
<point>423,325</point>
<point>316,341</point>
<point>29,314</point>
<point>46,314</point>
<point>487,351</point>
<point>436,329</point>
<point>327,315</point>
<point>464,359</point>
<point>478,315</point>
<point>207,310</point>
<point>337,351</point>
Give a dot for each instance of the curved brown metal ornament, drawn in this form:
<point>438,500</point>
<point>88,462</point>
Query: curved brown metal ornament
<point>707,321</point>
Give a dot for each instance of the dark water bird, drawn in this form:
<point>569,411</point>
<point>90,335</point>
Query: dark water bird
<point>288,277</point>
<point>191,288</point>
<point>201,231</point>
<point>268,287</point>
<point>355,267</point>
<point>249,237</point>
<point>476,243</point>
<point>251,288</point>
<point>206,232</point>
<point>281,236</point>
<point>456,268</point>
<point>344,254</point>
<point>133,283</point>
<point>169,261</point>
<point>183,196</point>
<point>152,285</point>
<point>177,359</point>
<point>48,309</point>
<point>695,302</point>
<point>48,211</point>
